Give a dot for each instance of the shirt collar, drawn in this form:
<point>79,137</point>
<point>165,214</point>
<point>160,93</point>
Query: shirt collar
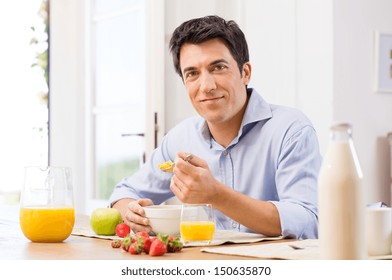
<point>257,110</point>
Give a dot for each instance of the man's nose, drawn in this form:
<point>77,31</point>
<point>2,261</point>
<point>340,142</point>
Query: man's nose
<point>207,83</point>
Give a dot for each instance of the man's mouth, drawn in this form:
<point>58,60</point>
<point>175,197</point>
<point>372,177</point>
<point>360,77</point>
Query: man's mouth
<point>211,99</point>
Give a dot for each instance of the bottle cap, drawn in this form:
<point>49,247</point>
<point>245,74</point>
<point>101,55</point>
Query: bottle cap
<point>341,126</point>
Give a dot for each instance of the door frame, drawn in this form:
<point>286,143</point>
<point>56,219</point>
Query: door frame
<point>70,92</point>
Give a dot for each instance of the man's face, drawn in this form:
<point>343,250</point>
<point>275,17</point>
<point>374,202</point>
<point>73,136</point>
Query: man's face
<point>213,81</point>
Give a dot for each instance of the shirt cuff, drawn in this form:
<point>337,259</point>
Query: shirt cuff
<point>296,221</point>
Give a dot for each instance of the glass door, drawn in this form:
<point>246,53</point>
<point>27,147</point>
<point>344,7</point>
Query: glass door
<point>118,92</point>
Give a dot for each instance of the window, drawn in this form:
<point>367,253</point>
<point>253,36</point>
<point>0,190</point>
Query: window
<point>24,92</point>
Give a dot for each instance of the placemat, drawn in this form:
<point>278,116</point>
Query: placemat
<point>292,250</point>
<point>285,250</point>
<point>220,236</point>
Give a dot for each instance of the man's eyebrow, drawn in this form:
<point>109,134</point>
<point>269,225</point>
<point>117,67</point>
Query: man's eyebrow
<point>186,69</point>
<point>219,61</point>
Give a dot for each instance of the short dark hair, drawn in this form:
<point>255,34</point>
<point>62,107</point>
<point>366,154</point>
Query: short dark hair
<point>199,30</point>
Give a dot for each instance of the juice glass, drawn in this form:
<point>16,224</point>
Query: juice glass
<point>46,208</point>
<point>197,225</point>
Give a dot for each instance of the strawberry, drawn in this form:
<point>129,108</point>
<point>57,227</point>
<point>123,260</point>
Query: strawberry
<point>137,246</point>
<point>122,230</point>
<point>146,245</point>
<point>157,248</point>
<point>142,233</point>
<point>146,240</point>
<point>116,243</point>
<point>126,242</point>
<point>163,237</point>
<point>174,244</point>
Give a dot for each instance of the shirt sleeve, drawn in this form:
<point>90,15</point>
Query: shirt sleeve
<point>149,181</point>
<point>296,181</point>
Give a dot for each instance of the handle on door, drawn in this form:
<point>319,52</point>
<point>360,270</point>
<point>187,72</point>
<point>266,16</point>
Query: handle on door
<point>156,128</point>
<point>132,134</point>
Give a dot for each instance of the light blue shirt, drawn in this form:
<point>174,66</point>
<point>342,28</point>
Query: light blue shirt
<point>275,158</point>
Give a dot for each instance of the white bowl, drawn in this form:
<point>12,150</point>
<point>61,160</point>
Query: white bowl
<point>164,219</point>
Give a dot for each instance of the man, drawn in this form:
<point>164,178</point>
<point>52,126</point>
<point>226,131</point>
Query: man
<point>256,163</point>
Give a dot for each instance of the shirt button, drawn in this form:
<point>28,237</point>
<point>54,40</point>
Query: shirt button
<point>225,152</point>
<point>234,224</point>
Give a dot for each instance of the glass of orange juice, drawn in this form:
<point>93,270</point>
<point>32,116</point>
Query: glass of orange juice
<point>46,207</point>
<point>197,225</point>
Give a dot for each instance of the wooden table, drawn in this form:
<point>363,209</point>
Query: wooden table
<point>15,246</point>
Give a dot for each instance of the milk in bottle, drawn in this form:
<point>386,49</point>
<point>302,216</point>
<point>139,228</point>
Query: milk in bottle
<point>341,202</point>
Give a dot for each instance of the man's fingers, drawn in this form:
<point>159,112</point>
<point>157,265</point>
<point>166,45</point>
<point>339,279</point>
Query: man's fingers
<point>135,215</point>
<point>145,202</point>
<point>192,159</point>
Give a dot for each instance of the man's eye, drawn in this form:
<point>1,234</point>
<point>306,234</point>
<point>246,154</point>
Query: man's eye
<point>190,74</point>
<point>219,67</point>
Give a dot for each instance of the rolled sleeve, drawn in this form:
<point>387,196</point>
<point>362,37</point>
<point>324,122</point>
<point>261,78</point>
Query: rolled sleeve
<point>296,221</point>
<point>297,185</point>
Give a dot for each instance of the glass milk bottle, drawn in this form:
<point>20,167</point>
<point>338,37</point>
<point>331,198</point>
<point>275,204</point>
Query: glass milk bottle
<point>341,202</point>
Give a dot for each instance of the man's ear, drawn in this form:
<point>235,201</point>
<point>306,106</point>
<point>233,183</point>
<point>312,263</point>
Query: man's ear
<point>246,73</point>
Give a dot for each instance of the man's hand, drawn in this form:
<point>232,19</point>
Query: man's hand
<point>133,213</point>
<point>192,181</point>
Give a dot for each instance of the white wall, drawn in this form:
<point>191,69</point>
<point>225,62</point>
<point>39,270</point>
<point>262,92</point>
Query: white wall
<point>314,64</point>
<point>290,46</point>
<point>270,28</point>
<point>355,22</point>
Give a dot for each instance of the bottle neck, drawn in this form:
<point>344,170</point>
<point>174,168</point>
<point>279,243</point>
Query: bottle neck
<point>341,132</point>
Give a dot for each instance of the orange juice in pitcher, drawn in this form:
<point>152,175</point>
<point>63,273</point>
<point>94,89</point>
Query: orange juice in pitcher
<point>46,208</point>
<point>47,224</point>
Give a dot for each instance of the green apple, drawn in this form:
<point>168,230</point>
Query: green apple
<point>104,220</point>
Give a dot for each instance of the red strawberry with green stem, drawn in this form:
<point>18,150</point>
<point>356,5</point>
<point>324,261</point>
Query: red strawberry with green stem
<point>157,248</point>
<point>174,244</point>
<point>126,242</point>
<point>116,243</point>
<point>136,246</point>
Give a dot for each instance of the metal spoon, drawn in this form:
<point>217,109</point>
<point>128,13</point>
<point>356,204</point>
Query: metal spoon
<point>187,158</point>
